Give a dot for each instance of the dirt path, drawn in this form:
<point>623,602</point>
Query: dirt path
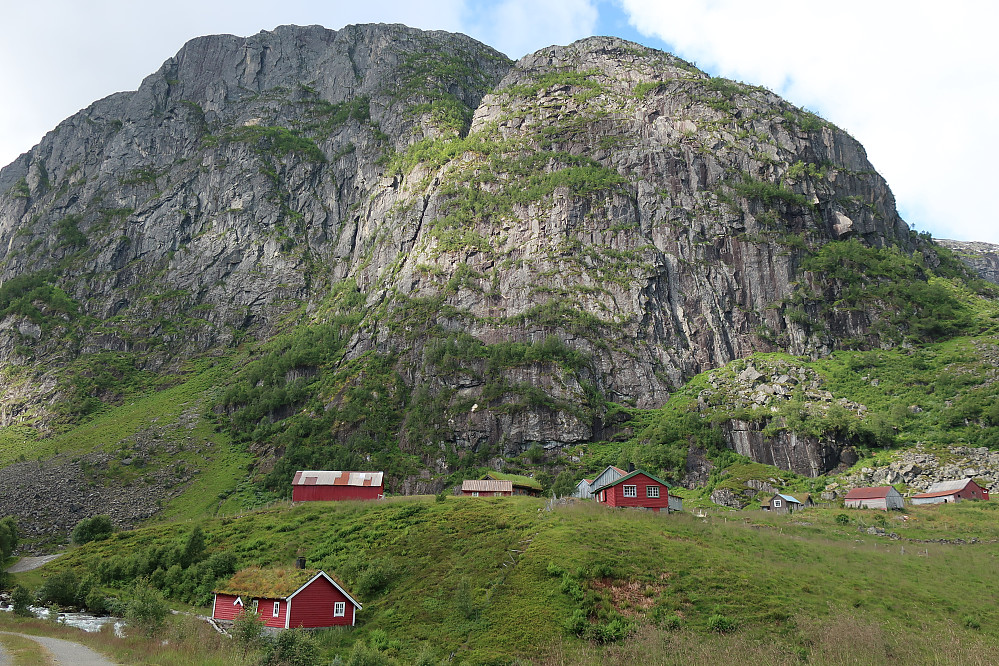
<point>29,563</point>
<point>66,653</point>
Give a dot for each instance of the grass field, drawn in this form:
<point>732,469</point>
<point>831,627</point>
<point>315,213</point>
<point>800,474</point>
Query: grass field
<point>495,580</point>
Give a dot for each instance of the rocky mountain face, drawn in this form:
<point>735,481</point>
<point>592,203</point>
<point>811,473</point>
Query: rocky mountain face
<point>982,258</point>
<point>437,254</point>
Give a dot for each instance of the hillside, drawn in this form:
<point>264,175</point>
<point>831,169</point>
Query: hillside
<point>493,580</point>
<point>386,248</point>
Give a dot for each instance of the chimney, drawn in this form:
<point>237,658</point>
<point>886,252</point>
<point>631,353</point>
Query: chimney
<point>631,467</point>
<point>300,563</point>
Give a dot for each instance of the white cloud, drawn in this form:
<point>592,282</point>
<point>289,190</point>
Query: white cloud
<point>914,81</point>
<point>519,27</point>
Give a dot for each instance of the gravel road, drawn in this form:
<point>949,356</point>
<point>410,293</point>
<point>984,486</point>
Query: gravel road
<point>65,653</point>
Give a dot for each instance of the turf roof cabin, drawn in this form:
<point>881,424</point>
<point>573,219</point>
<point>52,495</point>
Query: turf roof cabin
<point>522,485</point>
<point>486,488</point>
<point>880,497</point>
<point>637,489</point>
<point>331,486</point>
<point>287,598</point>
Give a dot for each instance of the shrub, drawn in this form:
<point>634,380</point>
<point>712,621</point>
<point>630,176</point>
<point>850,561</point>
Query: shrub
<point>248,628</point>
<point>147,610</point>
<point>8,537</point>
<point>721,624</point>
<point>842,519</point>
<point>293,648</point>
<point>96,528</point>
<point>60,589</point>
<point>971,622</point>
<point>21,599</point>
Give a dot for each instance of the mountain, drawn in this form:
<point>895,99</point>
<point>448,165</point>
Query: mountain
<point>399,249</point>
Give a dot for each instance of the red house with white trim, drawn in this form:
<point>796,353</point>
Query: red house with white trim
<point>327,486</point>
<point>287,598</point>
<point>635,489</point>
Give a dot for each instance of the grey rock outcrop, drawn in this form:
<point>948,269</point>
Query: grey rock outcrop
<point>650,219</point>
<point>981,258</point>
<point>919,469</point>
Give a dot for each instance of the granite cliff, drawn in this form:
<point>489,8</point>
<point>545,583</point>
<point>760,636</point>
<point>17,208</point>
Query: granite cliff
<point>423,255</point>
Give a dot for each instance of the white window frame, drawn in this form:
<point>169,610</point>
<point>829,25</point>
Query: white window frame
<point>631,491</point>
<point>475,493</point>
<point>777,504</point>
<point>339,608</point>
<point>277,609</point>
<point>256,603</point>
<point>652,492</point>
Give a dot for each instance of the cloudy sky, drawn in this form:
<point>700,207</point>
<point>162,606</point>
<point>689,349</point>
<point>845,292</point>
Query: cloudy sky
<point>916,82</point>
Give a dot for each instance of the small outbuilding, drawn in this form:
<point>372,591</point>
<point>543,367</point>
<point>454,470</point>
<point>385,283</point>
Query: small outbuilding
<point>522,485</point>
<point>584,489</point>
<point>609,475</point>
<point>880,497</point>
<point>486,488</point>
<point>947,492</point>
<point>781,503</point>
<point>637,489</point>
<point>327,486</point>
<point>287,598</point>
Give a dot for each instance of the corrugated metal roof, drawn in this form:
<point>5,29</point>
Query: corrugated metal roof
<point>946,487</point>
<point>332,478</point>
<point>628,476</point>
<point>487,486</point>
<point>788,498</point>
<point>878,492</point>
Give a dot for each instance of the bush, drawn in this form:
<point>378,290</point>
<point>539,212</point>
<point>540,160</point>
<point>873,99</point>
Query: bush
<point>8,538</point>
<point>248,628</point>
<point>21,599</point>
<point>60,589</point>
<point>95,528</point>
<point>842,519</point>
<point>721,624</point>
<point>293,647</point>
<point>147,610</point>
<point>971,622</point>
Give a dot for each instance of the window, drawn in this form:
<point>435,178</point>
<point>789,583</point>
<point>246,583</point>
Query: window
<point>631,491</point>
<point>497,494</point>
<point>475,493</point>
<point>340,609</point>
<point>277,609</point>
<point>652,491</point>
<point>256,602</point>
<point>776,504</point>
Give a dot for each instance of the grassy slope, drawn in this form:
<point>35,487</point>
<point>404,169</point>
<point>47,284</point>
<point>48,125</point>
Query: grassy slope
<point>176,414</point>
<point>450,581</point>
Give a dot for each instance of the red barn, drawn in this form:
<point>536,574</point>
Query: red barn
<point>636,489</point>
<point>951,491</point>
<point>286,598</point>
<point>326,486</point>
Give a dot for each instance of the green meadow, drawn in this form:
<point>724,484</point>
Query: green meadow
<point>498,581</point>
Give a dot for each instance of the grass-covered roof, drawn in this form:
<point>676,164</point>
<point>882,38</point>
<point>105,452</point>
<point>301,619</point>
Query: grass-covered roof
<point>266,583</point>
<point>516,479</point>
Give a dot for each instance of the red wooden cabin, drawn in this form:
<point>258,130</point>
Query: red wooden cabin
<point>326,486</point>
<point>636,489</point>
<point>287,598</point>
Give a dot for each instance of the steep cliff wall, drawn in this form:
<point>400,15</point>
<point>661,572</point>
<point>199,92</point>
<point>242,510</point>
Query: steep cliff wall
<point>464,256</point>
